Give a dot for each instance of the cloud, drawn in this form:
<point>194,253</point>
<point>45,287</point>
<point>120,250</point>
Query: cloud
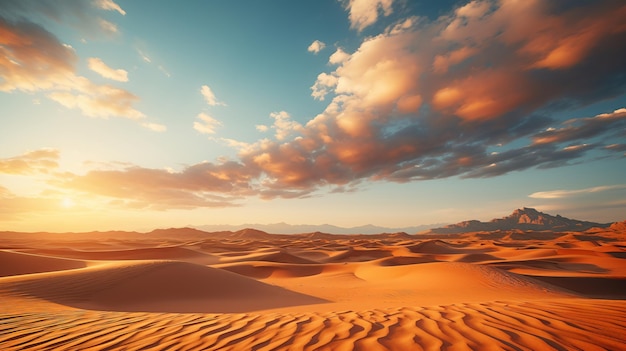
<point>339,56</point>
<point>33,59</point>
<point>316,46</point>
<point>144,57</point>
<point>13,206</point>
<point>33,162</point>
<point>262,128</point>
<point>209,96</point>
<point>98,100</point>
<point>323,85</point>
<point>155,127</point>
<point>578,129</point>
<point>207,124</point>
<point>471,94</point>
<point>364,13</point>
<point>559,194</point>
<point>201,185</point>
<point>109,5</point>
<point>108,27</point>
<point>284,125</point>
<point>95,64</point>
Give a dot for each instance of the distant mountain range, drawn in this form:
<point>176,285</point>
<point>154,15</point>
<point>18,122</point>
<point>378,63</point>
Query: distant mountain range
<point>284,228</point>
<point>521,219</point>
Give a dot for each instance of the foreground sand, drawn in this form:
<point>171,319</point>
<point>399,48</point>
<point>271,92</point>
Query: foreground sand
<point>479,291</point>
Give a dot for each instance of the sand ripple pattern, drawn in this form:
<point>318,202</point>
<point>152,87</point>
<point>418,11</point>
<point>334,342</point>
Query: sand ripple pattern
<point>541,325</point>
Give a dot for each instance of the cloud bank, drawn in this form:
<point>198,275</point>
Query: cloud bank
<point>471,94</point>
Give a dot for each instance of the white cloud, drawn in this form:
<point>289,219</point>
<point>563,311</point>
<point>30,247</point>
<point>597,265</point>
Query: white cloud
<point>209,96</point>
<point>95,64</point>
<point>338,57</point>
<point>284,125</point>
<point>558,194</point>
<point>98,100</point>
<point>262,128</point>
<point>323,85</point>
<point>364,13</point>
<point>316,46</point>
<point>109,5</point>
<point>207,124</point>
<point>154,127</point>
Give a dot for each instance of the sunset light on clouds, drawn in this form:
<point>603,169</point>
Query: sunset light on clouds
<point>138,114</point>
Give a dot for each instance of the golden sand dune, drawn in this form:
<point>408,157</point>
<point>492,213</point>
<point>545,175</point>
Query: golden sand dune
<point>154,286</point>
<point>475,291</point>
<point>152,253</point>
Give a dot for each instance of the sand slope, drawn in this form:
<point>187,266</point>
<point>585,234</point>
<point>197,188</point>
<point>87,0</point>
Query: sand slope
<point>154,286</point>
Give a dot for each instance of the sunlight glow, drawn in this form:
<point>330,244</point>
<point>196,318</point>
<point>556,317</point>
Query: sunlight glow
<point>66,202</point>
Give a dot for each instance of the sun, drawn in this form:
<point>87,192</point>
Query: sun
<point>67,202</point>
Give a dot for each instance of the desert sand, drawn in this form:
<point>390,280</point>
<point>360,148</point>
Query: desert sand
<point>187,290</point>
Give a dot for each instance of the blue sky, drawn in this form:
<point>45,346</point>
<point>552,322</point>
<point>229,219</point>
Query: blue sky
<point>144,114</point>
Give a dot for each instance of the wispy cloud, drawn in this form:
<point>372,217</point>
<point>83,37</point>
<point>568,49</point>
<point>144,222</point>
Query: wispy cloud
<point>107,26</point>
<point>316,46</point>
<point>95,64</point>
<point>206,124</point>
<point>155,127</point>
<point>559,194</point>
<point>38,161</point>
<point>209,96</point>
<point>109,5</point>
<point>144,56</point>
<point>98,100</point>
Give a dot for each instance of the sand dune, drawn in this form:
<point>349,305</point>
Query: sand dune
<point>473,291</point>
<point>545,325</point>
<point>153,253</point>
<point>16,263</point>
<point>154,286</point>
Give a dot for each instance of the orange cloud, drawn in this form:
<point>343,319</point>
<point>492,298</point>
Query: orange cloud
<point>32,59</point>
<point>200,185</point>
<point>33,162</point>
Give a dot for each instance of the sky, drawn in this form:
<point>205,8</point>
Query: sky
<point>135,115</point>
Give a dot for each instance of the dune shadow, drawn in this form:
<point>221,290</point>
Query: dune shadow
<point>591,287</point>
